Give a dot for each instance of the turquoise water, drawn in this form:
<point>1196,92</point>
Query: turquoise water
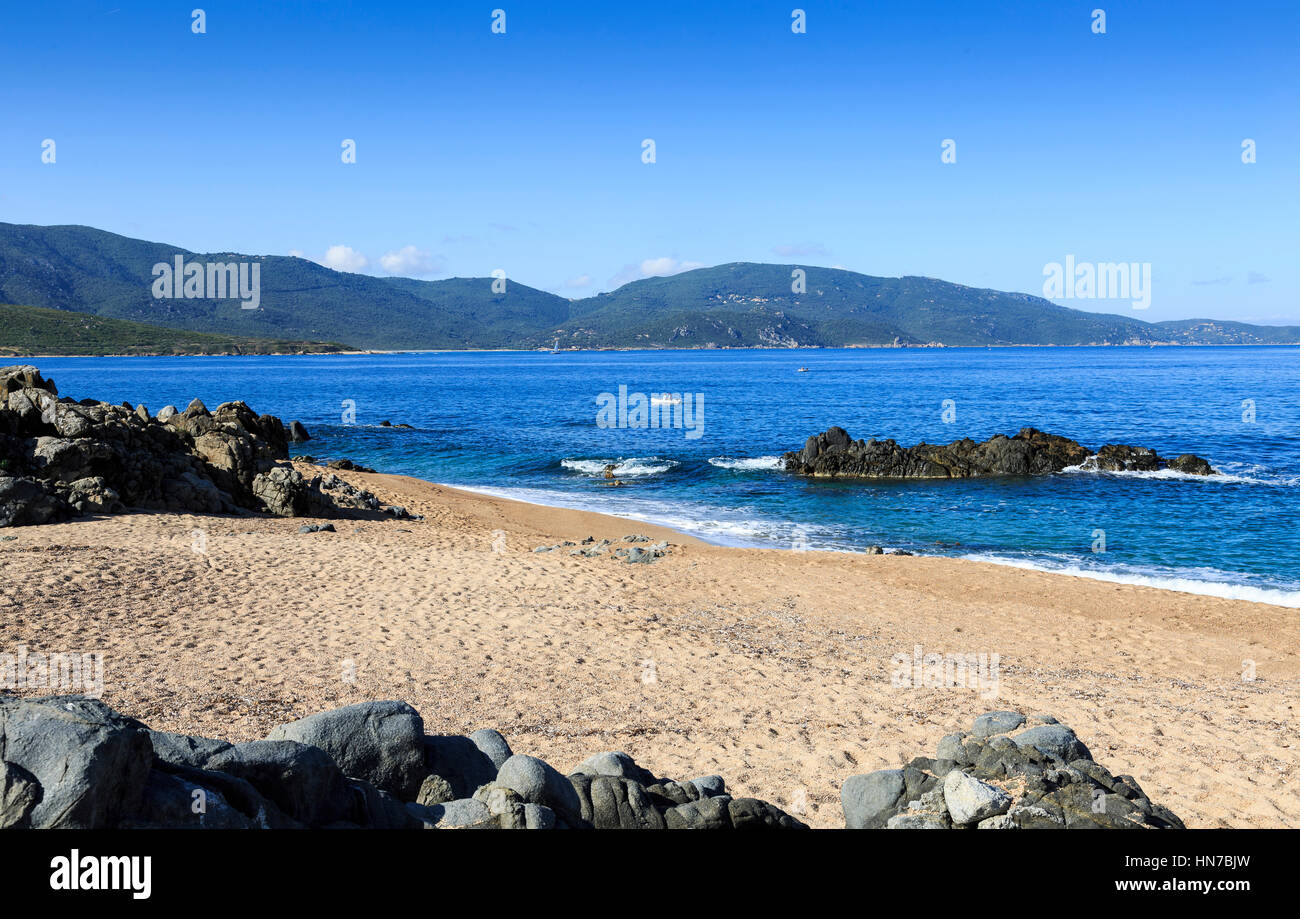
<point>525,425</point>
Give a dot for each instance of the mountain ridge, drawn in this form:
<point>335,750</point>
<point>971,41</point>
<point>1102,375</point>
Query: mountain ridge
<point>738,304</point>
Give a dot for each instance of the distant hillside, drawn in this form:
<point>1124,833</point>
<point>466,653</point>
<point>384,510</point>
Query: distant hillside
<point>751,305</point>
<point>740,305</point>
<point>91,271</point>
<point>30,330</point>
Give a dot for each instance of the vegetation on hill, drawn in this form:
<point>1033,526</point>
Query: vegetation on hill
<point>32,330</point>
<point>740,305</point>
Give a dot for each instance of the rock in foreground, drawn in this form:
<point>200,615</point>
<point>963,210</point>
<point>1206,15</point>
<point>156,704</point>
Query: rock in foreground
<point>1030,452</point>
<point>73,762</point>
<point>1003,775</point>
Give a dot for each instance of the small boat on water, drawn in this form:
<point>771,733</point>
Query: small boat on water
<point>665,399</point>
<point>802,370</point>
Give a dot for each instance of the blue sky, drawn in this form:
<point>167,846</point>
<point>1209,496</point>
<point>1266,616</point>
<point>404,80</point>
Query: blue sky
<point>522,151</point>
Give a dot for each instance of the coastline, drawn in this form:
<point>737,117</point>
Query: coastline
<point>772,667</point>
<point>540,350</point>
<point>1221,590</point>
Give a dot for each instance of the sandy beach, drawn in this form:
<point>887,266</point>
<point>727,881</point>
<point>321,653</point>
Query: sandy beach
<point>772,668</point>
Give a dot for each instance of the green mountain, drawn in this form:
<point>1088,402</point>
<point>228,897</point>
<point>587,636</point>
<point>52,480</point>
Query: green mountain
<point>740,305</point>
<point>92,271</point>
<point>30,330</point>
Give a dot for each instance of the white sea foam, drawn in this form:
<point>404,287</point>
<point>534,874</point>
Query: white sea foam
<point>715,525</point>
<point>1209,587</point>
<point>711,524</point>
<point>1175,475</point>
<point>746,465</point>
<point>626,468</point>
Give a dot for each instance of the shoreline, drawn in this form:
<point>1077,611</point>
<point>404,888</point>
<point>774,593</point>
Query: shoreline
<point>1244,593</point>
<point>540,350</point>
<point>770,667</point>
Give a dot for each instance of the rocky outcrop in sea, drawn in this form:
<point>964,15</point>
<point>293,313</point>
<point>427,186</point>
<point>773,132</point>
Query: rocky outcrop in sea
<point>1030,452</point>
<point>61,458</point>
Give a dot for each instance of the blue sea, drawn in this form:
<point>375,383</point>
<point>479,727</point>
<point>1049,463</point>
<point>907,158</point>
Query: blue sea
<point>524,425</point>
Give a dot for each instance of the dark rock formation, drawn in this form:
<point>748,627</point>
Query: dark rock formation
<point>83,764</point>
<point>381,742</point>
<point>67,761</point>
<point>1030,452</point>
<point>60,457</point>
<point>1003,775</point>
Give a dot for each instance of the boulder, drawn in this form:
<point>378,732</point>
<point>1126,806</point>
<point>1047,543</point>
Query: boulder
<point>710,786</point>
<point>994,723</point>
<point>260,811</point>
<point>302,781</point>
<point>374,809</point>
<point>466,762</point>
<point>380,742</point>
<point>910,821</point>
<point>24,502</point>
<point>870,800</point>
<point>1191,465</point>
<point>1039,777</point>
<point>753,814</point>
<point>434,790</point>
<point>91,763</point>
<point>951,748</point>
<point>60,459</point>
<point>615,764</point>
<point>171,802</point>
<point>704,814</point>
<point>93,496</point>
<point>1124,458</point>
<point>1055,740</point>
<point>20,792</point>
<point>970,800</point>
<point>298,433</point>
<point>492,745</point>
<point>461,814</point>
<point>538,817</point>
<point>283,491</point>
<point>539,783</point>
<point>505,806</point>
<point>611,802</point>
<point>184,749</point>
<point>23,376</point>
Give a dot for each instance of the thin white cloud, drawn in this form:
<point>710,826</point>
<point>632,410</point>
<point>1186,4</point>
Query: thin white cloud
<point>409,261</point>
<point>652,268</point>
<point>582,280</point>
<point>344,258</point>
